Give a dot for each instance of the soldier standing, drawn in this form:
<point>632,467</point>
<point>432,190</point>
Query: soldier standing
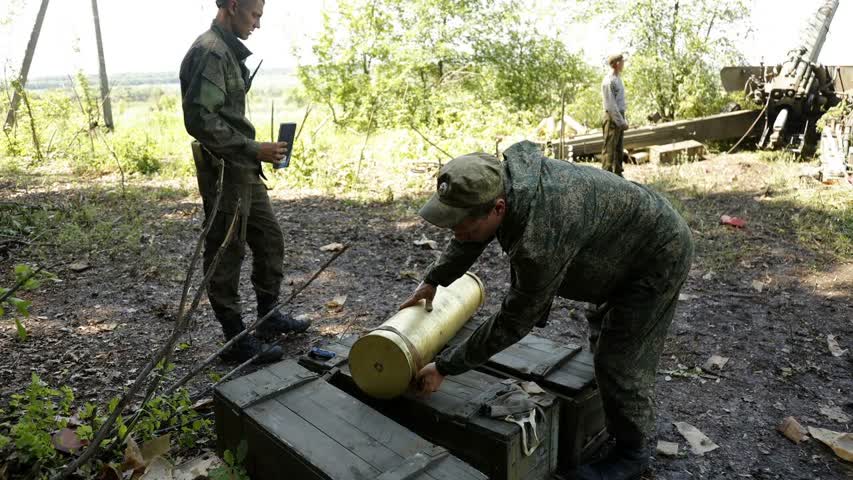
<point>576,232</point>
<point>615,124</point>
<point>214,83</point>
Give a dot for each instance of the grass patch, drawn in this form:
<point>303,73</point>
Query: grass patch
<point>782,207</point>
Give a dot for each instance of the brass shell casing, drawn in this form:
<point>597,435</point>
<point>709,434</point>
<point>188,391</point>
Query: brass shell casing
<point>384,361</point>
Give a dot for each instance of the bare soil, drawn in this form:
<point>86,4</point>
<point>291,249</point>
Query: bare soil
<point>94,330</point>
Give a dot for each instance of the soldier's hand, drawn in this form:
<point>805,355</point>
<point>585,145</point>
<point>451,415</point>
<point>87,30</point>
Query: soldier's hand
<point>428,380</point>
<point>272,152</point>
<point>425,292</point>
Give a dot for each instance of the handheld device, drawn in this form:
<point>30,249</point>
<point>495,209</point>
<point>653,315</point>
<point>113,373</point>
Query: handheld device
<point>321,354</point>
<point>286,133</point>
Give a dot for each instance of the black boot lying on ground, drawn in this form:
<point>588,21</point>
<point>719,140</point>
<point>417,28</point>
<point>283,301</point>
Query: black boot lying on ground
<point>249,346</point>
<point>620,464</point>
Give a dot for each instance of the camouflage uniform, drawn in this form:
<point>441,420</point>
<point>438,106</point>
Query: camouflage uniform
<point>214,83</point>
<point>584,234</point>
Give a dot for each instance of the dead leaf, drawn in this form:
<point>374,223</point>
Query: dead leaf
<point>840,443</point>
<point>758,285</point>
<point>733,221</point>
<point>425,242</point>
<point>337,303</point>
<point>685,297</point>
<point>792,429</point>
<point>409,274</point>
<point>67,440</point>
<point>715,363</point>
<point>669,449</point>
<point>835,413</point>
<point>159,469</point>
<point>109,472</point>
<point>197,467</point>
<point>699,443</point>
<point>78,267</point>
<point>154,448</point>
<point>133,459</point>
<point>834,348</point>
<point>332,247</point>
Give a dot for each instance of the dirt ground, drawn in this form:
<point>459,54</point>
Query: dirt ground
<point>755,295</point>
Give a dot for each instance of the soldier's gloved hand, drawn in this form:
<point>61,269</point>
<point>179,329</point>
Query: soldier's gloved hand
<point>428,380</point>
<point>425,292</point>
<point>272,152</point>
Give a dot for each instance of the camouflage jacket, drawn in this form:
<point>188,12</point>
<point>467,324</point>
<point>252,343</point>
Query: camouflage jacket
<point>214,83</point>
<point>570,230</point>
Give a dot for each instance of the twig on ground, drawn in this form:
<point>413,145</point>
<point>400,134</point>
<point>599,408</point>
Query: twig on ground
<point>165,349</point>
<point>186,288</point>
<point>210,359</point>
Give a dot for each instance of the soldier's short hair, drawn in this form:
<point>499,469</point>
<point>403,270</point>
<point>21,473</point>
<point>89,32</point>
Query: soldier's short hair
<point>481,211</point>
<point>224,3</point>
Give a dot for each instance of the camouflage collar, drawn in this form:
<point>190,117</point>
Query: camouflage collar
<point>234,43</point>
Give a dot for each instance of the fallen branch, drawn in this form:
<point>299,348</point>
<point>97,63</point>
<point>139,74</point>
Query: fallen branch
<point>210,359</point>
<point>167,347</point>
<point>186,288</point>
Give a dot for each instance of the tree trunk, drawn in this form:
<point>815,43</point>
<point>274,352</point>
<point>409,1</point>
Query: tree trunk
<point>25,68</point>
<point>105,84</point>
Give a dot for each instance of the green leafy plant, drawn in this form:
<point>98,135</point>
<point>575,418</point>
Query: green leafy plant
<point>233,468</point>
<point>29,280</point>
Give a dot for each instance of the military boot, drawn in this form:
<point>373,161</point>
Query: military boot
<point>278,322</point>
<point>620,464</point>
<point>247,347</point>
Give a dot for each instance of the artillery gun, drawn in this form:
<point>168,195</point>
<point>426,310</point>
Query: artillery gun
<point>789,100</point>
<point>796,93</point>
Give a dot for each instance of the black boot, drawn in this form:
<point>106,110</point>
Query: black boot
<point>620,464</point>
<point>277,323</point>
<point>248,346</point>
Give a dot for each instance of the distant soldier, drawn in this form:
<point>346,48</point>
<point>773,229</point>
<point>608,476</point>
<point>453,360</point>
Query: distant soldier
<point>615,124</point>
<point>575,232</point>
<point>214,83</point>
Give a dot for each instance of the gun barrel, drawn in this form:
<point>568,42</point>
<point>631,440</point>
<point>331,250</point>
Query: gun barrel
<point>814,35</point>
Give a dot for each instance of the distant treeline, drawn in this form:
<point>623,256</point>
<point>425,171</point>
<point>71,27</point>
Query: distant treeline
<point>161,79</point>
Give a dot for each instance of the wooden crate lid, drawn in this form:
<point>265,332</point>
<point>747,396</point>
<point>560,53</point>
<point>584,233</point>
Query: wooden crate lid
<point>333,431</point>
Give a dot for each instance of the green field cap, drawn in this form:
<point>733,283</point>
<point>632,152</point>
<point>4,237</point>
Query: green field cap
<point>465,183</point>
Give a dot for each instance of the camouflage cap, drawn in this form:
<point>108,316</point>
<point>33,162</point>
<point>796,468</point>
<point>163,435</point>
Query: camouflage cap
<point>464,184</point>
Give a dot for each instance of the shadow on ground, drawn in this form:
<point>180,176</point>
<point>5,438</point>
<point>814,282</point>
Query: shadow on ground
<point>94,330</point>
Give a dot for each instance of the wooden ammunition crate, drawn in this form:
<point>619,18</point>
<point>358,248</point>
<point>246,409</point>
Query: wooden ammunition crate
<point>450,418</point>
<point>298,426</point>
<point>566,371</point>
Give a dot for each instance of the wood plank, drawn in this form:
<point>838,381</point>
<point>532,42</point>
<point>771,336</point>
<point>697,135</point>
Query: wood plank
<point>310,442</point>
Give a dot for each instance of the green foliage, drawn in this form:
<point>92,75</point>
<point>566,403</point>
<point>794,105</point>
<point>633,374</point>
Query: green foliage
<point>139,154</point>
<point>432,63</point>
<point>41,410</point>
<point>233,469</point>
<point>29,280</point>
<point>678,49</point>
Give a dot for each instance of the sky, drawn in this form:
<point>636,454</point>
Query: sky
<point>143,36</point>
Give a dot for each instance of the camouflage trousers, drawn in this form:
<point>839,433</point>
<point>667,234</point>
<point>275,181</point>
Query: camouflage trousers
<point>611,155</point>
<point>258,228</point>
<point>627,336</point>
